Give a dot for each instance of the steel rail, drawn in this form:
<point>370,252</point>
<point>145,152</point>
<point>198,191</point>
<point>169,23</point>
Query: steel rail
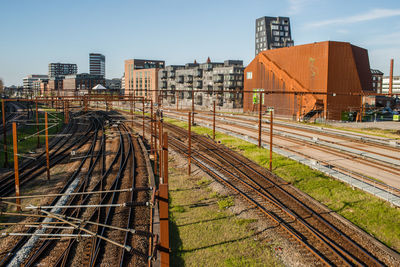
<point>224,158</point>
<point>22,241</point>
<point>41,250</point>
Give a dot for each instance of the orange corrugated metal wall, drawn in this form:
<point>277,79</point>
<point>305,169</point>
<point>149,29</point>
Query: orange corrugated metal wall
<point>320,67</point>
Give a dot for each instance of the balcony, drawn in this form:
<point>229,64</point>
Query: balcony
<point>198,84</point>
<point>199,73</point>
<point>163,74</point>
<point>218,78</point>
<point>230,84</point>
<point>171,74</point>
<point>188,79</point>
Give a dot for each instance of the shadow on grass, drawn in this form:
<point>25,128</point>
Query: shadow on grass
<point>204,221</point>
<point>176,244</point>
<point>346,204</point>
<point>225,242</point>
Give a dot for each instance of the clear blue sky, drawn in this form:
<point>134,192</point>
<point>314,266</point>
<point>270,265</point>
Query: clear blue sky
<point>35,33</point>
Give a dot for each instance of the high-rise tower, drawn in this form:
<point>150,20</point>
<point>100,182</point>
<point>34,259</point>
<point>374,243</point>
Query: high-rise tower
<point>97,64</point>
<point>272,32</point>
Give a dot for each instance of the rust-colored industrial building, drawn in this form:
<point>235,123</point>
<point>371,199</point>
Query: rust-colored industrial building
<point>335,69</point>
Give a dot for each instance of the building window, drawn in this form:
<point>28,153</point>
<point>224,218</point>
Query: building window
<point>249,75</point>
<point>274,27</point>
<point>286,28</point>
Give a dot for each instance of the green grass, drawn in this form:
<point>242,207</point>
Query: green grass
<point>370,213</point>
<point>30,144</point>
<point>201,234</point>
<point>225,202</point>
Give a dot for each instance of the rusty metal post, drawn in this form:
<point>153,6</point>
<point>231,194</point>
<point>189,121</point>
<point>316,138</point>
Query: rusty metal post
<point>270,140</point>
<point>16,171</point>
<point>189,144</point>
<point>301,107</point>
<point>259,120</point>
<point>177,100</point>
<point>165,158</point>
<point>164,225</point>
<point>143,115</point>
<point>67,112</point>
<point>3,109</point>
<point>151,125</point>
<point>131,113</point>
<point>155,145</point>
<point>214,120</point>
<point>37,124</point>
<point>192,107</point>
<point>160,141</point>
<point>86,104</point>
<point>391,77</point>
<point>47,146</point>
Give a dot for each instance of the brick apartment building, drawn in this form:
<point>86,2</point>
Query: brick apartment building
<point>377,77</point>
<point>141,77</point>
<point>81,83</point>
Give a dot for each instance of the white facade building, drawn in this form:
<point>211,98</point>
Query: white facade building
<point>395,87</point>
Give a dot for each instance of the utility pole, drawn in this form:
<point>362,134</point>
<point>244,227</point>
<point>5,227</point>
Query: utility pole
<point>189,143</point>
<point>47,146</point>
<point>165,158</point>
<point>214,119</point>
<point>16,171</point>
<point>3,109</point>
<point>192,107</point>
<point>151,126</point>
<point>143,115</point>
<point>177,100</point>
<point>270,140</point>
<point>259,120</point>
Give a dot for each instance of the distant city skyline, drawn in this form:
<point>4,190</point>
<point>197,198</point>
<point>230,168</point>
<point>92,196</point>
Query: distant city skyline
<point>35,34</point>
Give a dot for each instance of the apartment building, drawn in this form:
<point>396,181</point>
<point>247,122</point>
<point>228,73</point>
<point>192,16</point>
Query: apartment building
<point>271,33</point>
<point>377,77</point>
<point>141,77</point>
<point>62,69</point>
<point>213,81</point>
<point>395,86</point>
<point>82,83</point>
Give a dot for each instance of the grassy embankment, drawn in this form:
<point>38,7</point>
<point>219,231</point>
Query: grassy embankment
<point>30,144</point>
<point>204,233</point>
<point>373,215</point>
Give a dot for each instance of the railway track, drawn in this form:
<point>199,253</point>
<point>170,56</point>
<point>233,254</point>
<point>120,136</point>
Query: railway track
<point>320,236</point>
<point>334,157</point>
<point>109,164</point>
<point>15,112</point>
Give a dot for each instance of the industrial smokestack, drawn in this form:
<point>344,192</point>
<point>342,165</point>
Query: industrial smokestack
<point>391,77</point>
